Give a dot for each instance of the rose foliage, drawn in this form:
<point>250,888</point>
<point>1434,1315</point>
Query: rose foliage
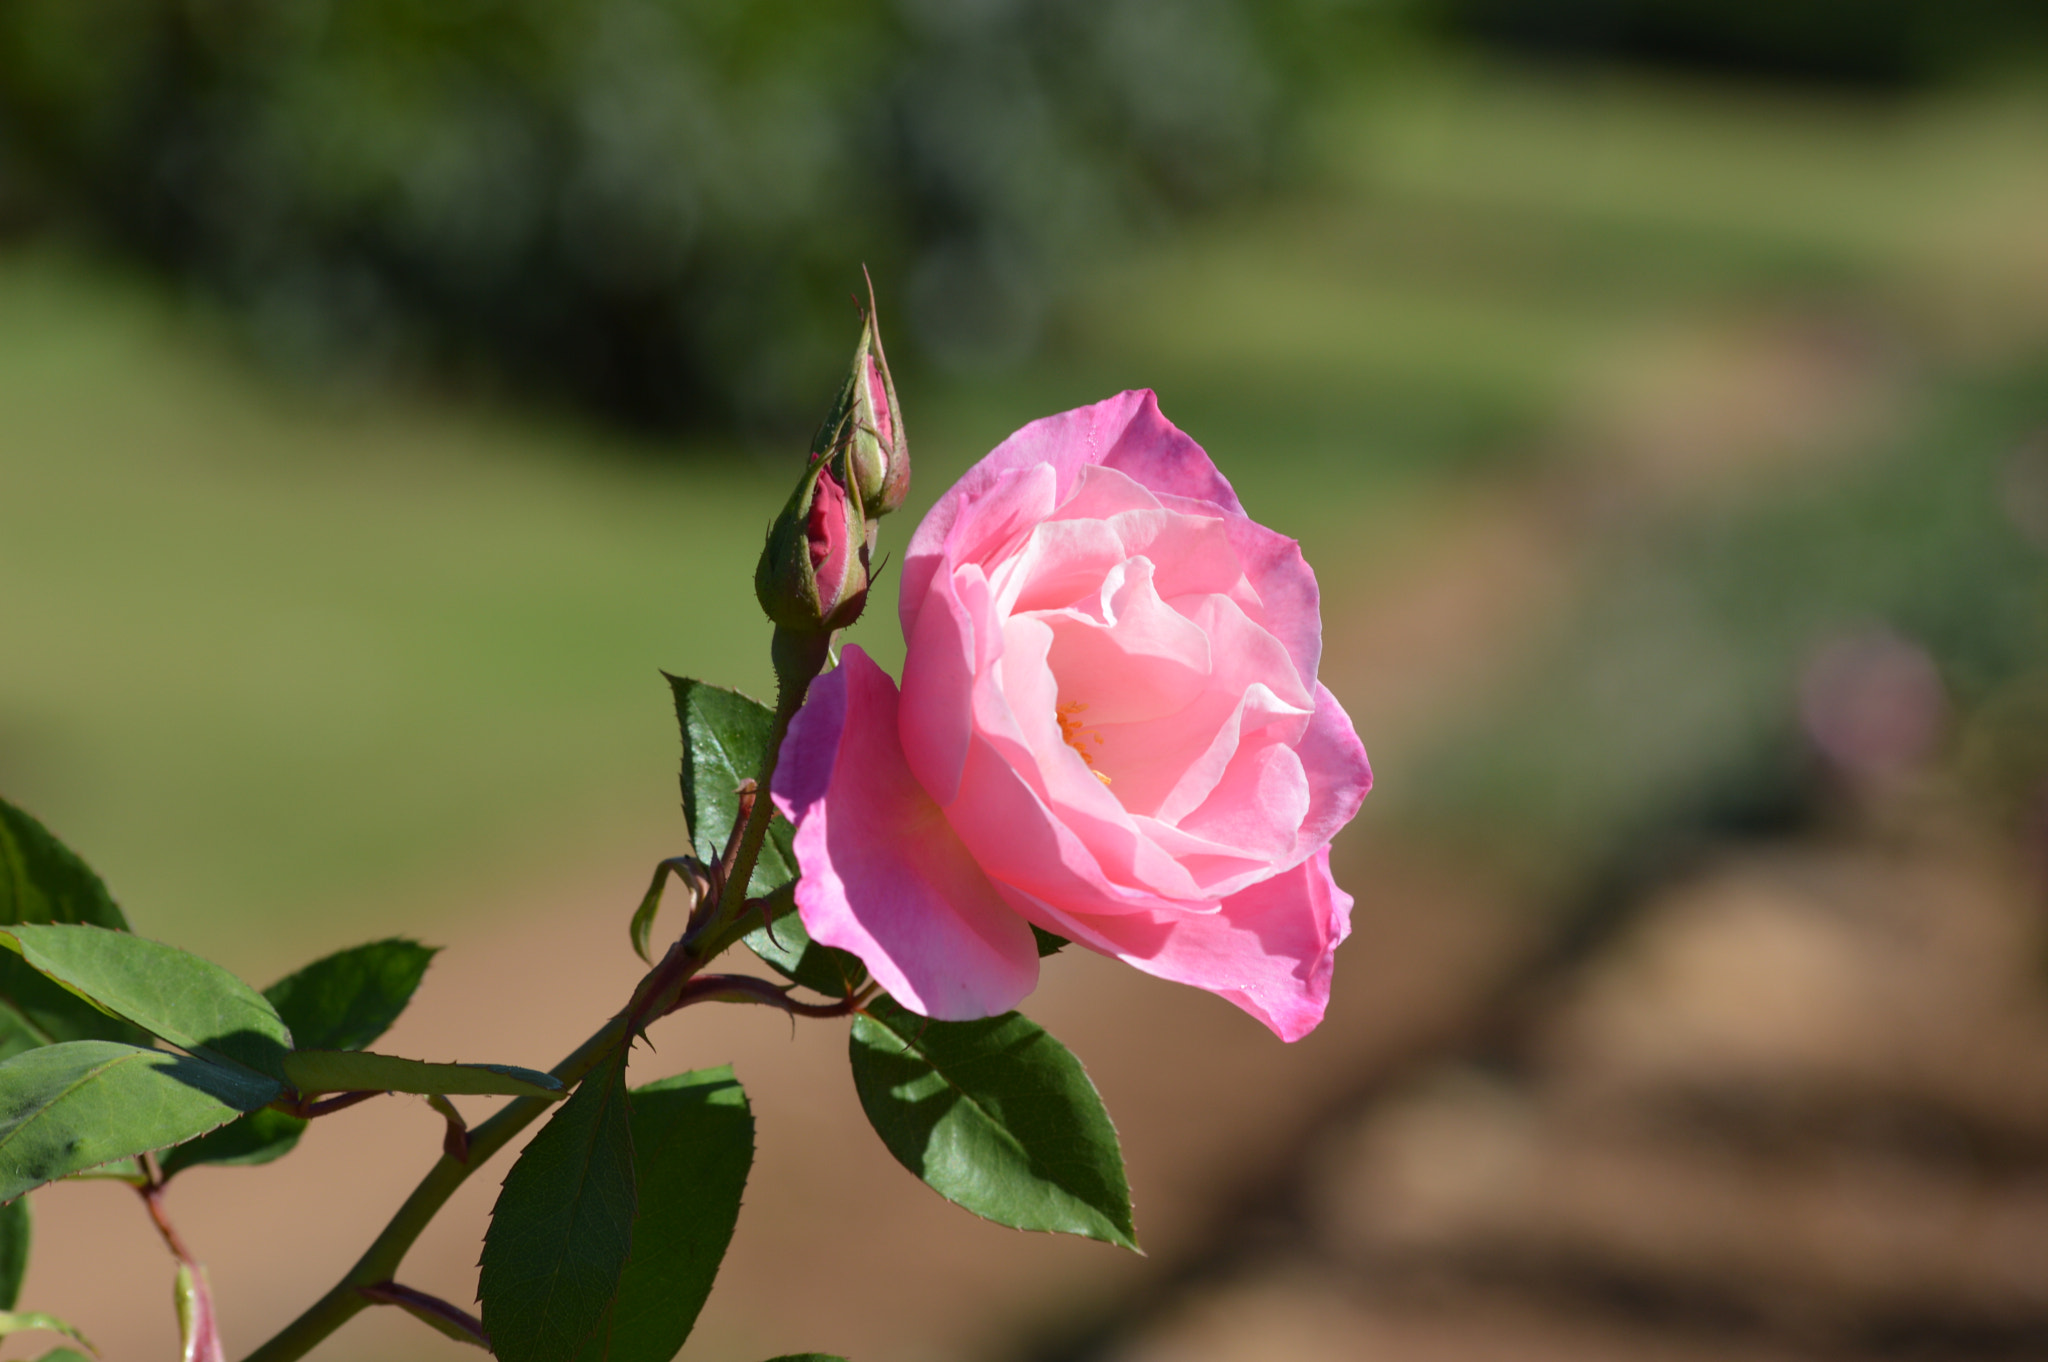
<point>1109,731</point>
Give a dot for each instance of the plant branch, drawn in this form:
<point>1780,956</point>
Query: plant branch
<point>745,988</point>
<point>379,1263</point>
<point>798,659</point>
<point>432,1310</point>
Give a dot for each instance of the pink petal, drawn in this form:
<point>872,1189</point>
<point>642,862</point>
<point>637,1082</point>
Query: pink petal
<point>883,875</point>
<point>1339,775</point>
<point>1066,444</point>
<point>1270,950</point>
<point>1157,455</point>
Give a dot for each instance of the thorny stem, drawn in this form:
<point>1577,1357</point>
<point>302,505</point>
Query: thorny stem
<point>744,988</point>
<point>797,662</point>
<point>380,1261</point>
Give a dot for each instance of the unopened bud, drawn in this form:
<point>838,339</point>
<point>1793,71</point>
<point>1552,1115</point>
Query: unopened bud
<point>866,422</point>
<point>813,575</point>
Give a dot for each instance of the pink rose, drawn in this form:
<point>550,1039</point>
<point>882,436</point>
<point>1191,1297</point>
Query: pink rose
<point>1109,726</point>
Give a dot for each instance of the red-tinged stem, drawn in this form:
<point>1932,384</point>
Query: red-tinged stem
<point>444,1316</point>
<point>745,988</point>
<point>152,1193</point>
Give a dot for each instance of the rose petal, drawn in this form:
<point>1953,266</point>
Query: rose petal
<point>883,875</point>
<point>1157,455</point>
<point>1339,775</point>
<point>1271,950</point>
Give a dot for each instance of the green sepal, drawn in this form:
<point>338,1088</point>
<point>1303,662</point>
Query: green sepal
<point>1048,943</point>
<point>995,1116</point>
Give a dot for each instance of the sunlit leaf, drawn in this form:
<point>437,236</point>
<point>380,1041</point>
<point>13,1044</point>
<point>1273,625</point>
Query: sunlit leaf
<point>725,737</point>
<point>83,1103</point>
<point>190,1002</point>
<point>996,1116</point>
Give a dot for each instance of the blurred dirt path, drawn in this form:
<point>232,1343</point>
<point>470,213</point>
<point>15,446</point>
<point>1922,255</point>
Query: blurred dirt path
<point>841,1249</point>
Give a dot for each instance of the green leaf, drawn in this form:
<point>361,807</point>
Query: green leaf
<point>11,1323</point>
<point>243,1142</point>
<point>996,1116</point>
<point>15,1227</point>
<point>192,1003</point>
<point>82,1103</point>
<point>348,999</point>
<point>693,1142</point>
<point>311,1071</point>
<point>562,1227</point>
<point>63,1355</point>
<point>1049,943</point>
<point>784,945</point>
<point>725,737</point>
<point>42,881</point>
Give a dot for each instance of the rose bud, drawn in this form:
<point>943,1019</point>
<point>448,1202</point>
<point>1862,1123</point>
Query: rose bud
<point>813,575</point>
<point>867,423</point>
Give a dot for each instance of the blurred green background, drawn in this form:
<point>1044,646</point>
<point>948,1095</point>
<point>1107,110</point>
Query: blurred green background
<point>389,390</point>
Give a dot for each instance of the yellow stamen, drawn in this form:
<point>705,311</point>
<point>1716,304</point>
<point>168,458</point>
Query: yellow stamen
<point>1072,732</point>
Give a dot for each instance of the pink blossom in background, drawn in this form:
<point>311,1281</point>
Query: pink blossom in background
<point>1109,725</point>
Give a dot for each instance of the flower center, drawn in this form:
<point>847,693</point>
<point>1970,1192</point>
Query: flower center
<point>1078,735</point>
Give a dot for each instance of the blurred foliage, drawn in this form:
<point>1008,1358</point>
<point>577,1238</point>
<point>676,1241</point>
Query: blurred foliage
<point>657,208</point>
<point>1672,709</point>
<point>1877,43</point>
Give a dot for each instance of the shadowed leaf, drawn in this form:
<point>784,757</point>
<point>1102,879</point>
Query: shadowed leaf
<point>996,1116</point>
<point>562,1227</point>
<point>693,1142</point>
<point>243,1142</point>
<point>348,999</point>
<point>15,1228</point>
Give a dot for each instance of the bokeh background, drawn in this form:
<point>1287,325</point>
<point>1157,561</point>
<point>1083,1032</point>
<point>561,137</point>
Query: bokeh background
<point>1660,388</point>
